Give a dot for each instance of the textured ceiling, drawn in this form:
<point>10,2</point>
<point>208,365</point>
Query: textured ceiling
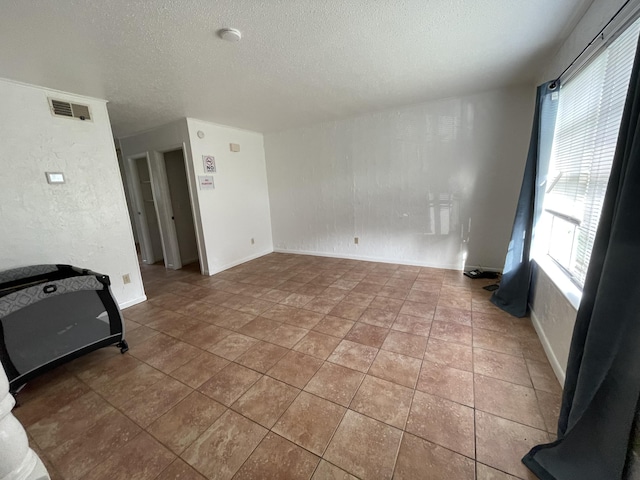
<point>299,62</point>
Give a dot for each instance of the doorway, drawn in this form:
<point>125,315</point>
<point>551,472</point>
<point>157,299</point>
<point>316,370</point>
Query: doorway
<point>180,204</point>
<point>163,215</point>
<point>147,213</point>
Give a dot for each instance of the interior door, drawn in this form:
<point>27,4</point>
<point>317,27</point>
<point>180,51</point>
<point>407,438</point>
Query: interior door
<point>182,214</point>
<point>147,212</point>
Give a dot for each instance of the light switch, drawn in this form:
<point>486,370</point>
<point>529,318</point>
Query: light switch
<point>55,177</point>
<point>234,147</point>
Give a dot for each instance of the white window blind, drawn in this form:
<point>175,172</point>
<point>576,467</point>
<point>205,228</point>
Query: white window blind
<point>585,137</point>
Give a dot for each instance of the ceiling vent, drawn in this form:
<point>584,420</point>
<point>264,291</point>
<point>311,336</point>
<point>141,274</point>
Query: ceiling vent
<point>61,108</point>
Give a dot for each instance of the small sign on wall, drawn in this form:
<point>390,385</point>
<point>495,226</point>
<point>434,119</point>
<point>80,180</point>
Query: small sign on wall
<point>209,163</point>
<point>206,182</point>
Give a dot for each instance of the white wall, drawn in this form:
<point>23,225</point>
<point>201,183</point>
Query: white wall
<point>237,210</point>
<point>552,314</point>
<point>379,177</point>
<point>83,222</point>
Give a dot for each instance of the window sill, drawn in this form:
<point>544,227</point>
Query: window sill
<point>571,292</point>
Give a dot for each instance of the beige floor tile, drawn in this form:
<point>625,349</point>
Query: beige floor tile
<point>317,345</point>
<point>286,335</point>
<point>295,368</point>
<point>276,457</point>
<point>353,355</point>
<point>449,354</point>
<point>508,400</point>
<point>327,471</point>
<point>364,447</point>
<point>230,383</point>
<point>265,401</point>
<point>405,344</point>
<point>367,334</point>
<point>180,470</point>
<point>384,401</point>
<point>419,458</point>
<point>446,423</point>
<point>453,315</point>
<point>549,404</point>
<point>321,305</point>
<point>501,443</point>
<point>335,383</point>
<point>378,318</point>
<point>222,449</point>
<point>197,371</point>
<point>413,325</point>
<point>543,377</point>
<point>361,299</point>
<point>180,426</point>
<point>387,304</point>
<point>75,458</point>
<point>488,473</point>
<point>262,356</point>
<point>451,332</point>
<point>204,335</point>
<point>501,322</point>
<point>142,458</point>
<point>155,401</point>
<point>297,300</point>
<point>417,309</point>
<point>280,313</point>
<point>127,386</point>
<point>335,326</point>
<point>70,421</point>
<point>348,311</point>
<point>496,342</point>
<point>396,368</point>
<point>421,296</point>
<point>446,382</point>
<point>305,319</point>
<point>310,422</point>
<point>259,327</point>
<point>510,368</point>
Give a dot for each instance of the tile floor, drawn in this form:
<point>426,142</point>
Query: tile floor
<point>298,367</point>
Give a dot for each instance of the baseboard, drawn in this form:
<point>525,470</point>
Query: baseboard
<point>238,262</point>
<point>133,302</point>
<point>551,356</point>
<point>367,258</point>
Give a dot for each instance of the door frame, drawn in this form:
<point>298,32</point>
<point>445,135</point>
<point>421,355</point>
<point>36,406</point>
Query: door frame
<point>149,256</point>
<point>162,201</point>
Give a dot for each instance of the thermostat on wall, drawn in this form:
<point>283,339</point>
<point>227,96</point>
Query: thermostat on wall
<point>55,177</point>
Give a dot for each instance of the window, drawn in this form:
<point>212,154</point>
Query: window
<point>589,114</point>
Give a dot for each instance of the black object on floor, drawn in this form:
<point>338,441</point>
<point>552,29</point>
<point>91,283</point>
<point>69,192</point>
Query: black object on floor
<point>51,314</point>
<point>492,287</point>
<point>480,274</point>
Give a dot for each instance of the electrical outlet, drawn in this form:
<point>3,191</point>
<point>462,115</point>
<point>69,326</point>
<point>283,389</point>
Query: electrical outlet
<point>252,241</point>
<point>356,240</point>
<point>126,278</point>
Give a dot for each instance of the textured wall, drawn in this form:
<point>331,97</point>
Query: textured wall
<point>428,184</point>
<point>237,210</point>
<point>83,222</point>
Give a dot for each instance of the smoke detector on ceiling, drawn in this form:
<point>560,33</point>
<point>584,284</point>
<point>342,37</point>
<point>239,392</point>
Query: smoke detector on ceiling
<point>230,34</point>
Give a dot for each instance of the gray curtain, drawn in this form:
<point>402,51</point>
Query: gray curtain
<point>513,294</point>
<point>602,388</point>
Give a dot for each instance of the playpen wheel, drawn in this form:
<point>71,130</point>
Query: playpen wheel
<point>124,346</point>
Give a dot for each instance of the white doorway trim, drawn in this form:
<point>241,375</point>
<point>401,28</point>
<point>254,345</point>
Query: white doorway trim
<point>141,222</point>
<point>162,201</point>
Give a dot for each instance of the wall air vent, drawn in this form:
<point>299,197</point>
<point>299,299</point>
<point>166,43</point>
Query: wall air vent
<point>61,108</point>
